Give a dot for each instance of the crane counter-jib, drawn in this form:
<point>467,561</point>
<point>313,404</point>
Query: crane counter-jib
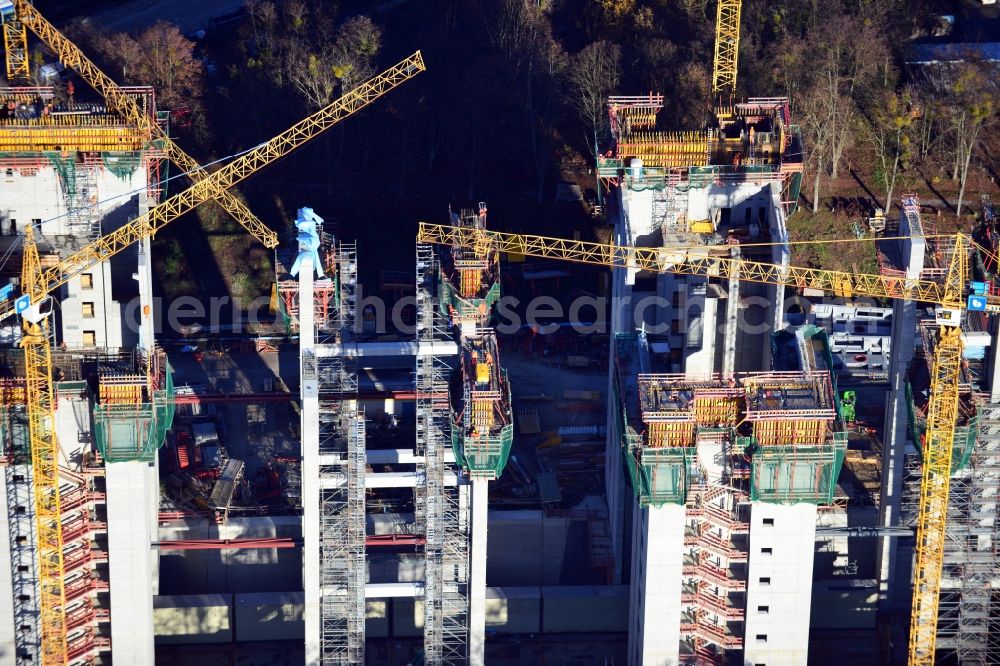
<point>148,224</point>
<point>704,261</point>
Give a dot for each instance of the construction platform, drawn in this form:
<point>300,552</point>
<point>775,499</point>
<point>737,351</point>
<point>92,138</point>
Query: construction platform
<point>482,428</point>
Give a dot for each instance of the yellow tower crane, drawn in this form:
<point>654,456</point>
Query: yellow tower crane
<point>15,45</point>
<point>945,372</point>
<point>71,56</point>
<point>727,46</point>
<point>37,284</point>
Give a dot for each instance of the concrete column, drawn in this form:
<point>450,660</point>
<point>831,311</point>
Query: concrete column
<point>732,321</point>
<point>655,591</point>
<point>894,595</point>
<point>144,276</point>
<point>130,573</point>
<point>310,462</point>
<point>614,474</point>
<point>477,573</point>
<point>702,361</point>
<point>779,584</point>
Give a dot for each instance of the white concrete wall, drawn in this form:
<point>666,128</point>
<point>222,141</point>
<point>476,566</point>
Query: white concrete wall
<point>704,203</point>
<point>477,573</point>
<point>655,593</point>
<point>701,361</point>
<point>779,584</point>
<point>40,197</point>
<point>638,209</point>
<point>130,533</point>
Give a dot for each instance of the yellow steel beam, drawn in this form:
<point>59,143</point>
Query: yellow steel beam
<point>44,467</point>
<point>702,262</point>
<point>727,46</point>
<point>240,168</point>
<point>72,57</point>
<point>939,442</point>
<point>15,46</point>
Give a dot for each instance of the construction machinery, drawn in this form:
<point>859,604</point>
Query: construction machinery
<point>952,295</point>
<point>26,16</point>
<point>37,284</point>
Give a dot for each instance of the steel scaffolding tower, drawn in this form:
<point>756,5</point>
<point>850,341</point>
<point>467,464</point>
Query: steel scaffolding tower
<point>347,267</point>
<point>23,560</point>
<point>969,611</point>
<point>343,569</point>
<point>442,508</point>
<point>83,217</point>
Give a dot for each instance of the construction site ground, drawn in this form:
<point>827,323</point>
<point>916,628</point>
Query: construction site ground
<point>262,430</point>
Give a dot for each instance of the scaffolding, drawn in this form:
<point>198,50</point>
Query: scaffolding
<point>784,423</point>
<point>470,276</point>
<point>83,216</point>
<point>327,302</point>
<point>342,538</point>
<point>133,408</point>
<point>21,528</point>
<point>714,540</point>
<point>442,509</point>
<point>482,428</point>
<point>969,608</point>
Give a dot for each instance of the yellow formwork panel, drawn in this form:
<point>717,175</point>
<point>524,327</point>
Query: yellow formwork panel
<point>669,433</point>
<point>56,137</point>
<point>715,411</point>
<point>785,432</point>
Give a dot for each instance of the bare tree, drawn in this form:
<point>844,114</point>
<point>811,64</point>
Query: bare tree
<point>534,66</point>
<point>887,132</point>
<point>817,129</point>
<point>159,56</point>
<point>967,110</point>
<point>594,74</point>
<point>845,57</point>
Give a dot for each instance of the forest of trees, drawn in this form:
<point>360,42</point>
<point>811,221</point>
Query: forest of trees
<point>513,99</point>
<point>516,88</point>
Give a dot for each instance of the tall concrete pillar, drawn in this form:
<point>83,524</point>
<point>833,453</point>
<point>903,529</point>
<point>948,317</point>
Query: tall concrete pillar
<point>477,573</point>
<point>655,590</point>
<point>894,592</point>
<point>309,430</point>
<point>130,572</point>
<point>779,583</point>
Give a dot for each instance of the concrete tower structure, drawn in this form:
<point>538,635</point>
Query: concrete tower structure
<point>75,172</point>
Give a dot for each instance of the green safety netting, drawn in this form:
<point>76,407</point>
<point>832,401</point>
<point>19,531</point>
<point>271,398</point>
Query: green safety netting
<point>122,163</point>
<point>964,440</point>
<point>14,433</point>
<point>658,475</point>
<point>792,193</point>
<point>65,166</point>
<point>126,433</point>
<point>484,456</point>
<point>466,307</point>
<point>799,473</point>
